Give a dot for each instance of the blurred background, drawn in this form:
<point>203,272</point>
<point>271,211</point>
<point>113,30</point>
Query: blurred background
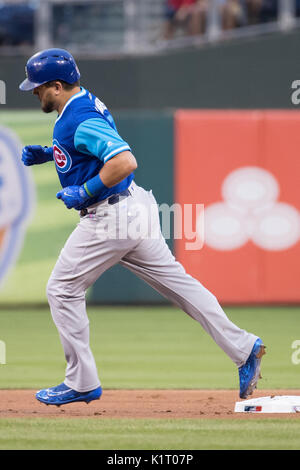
<point>205,92</point>
<point>101,27</point>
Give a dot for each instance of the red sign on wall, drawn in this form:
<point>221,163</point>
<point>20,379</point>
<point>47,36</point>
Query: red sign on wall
<point>244,166</point>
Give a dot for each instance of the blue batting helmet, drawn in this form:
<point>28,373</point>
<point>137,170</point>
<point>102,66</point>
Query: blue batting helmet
<point>48,65</point>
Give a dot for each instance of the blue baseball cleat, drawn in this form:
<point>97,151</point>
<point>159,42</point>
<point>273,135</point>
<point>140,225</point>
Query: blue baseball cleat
<point>61,395</point>
<point>249,373</point>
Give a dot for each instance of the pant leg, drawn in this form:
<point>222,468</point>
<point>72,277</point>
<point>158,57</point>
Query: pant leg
<point>153,262</point>
<point>85,256</point>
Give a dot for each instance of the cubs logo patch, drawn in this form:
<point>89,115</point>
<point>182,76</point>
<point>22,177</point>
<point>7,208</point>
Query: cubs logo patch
<point>63,160</point>
<point>16,199</point>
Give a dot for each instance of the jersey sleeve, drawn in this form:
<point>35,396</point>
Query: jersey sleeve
<point>96,137</point>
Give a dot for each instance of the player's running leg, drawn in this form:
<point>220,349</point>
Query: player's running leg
<point>86,255</point>
<point>153,262</point>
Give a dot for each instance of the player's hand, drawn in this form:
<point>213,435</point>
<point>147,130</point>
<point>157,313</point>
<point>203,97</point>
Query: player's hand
<point>36,154</point>
<point>74,197</point>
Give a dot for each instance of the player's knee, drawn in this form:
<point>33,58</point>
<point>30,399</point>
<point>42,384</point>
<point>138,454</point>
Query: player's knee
<point>60,290</point>
<point>57,289</point>
<point>51,290</point>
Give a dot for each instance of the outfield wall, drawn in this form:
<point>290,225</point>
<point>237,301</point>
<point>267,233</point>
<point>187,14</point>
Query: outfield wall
<point>246,73</point>
<point>243,166</point>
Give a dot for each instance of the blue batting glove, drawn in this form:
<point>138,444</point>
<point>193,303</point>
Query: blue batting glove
<point>36,154</point>
<point>73,196</point>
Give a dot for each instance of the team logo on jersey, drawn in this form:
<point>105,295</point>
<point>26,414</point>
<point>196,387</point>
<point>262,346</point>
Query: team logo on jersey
<point>62,158</point>
<point>16,199</point>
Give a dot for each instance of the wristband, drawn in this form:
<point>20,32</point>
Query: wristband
<point>94,186</point>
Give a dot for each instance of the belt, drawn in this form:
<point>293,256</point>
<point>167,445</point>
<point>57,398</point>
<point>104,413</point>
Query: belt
<point>114,199</point>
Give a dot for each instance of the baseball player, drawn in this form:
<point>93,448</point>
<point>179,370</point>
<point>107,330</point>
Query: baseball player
<point>96,171</point>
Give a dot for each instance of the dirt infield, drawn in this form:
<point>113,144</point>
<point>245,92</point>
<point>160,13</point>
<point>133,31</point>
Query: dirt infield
<point>138,404</point>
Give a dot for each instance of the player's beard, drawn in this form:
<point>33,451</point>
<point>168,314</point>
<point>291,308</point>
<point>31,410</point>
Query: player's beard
<point>48,105</point>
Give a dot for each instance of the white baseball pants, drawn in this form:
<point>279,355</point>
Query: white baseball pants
<point>123,233</point>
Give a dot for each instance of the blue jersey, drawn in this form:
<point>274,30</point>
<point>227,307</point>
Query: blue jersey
<point>85,137</point>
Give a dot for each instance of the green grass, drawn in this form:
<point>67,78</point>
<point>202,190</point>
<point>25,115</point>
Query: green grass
<point>85,434</point>
<point>148,348</point>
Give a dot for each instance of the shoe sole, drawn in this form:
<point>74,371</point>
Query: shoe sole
<point>257,375</point>
<point>66,402</point>
<point>46,402</point>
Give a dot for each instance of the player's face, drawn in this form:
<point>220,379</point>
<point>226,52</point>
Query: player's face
<point>47,98</point>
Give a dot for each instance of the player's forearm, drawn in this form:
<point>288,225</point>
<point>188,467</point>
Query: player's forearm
<point>118,168</point>
<point>112,173</point>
